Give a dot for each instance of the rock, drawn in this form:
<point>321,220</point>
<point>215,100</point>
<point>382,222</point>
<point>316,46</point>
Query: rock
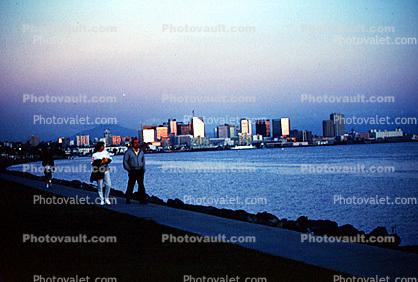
<point>267,219</point>
<point>324,227</point>
<point>379,231</point>
<point>176,203</point>
<point>156,200</point>
<point>348,230</point>
<point>290,224</point>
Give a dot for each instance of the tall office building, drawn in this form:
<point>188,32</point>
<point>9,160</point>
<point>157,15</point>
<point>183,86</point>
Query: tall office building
<point>277,128</point>
<point>245,126</point>
<point>172,126</point>
<point>162,132</point>
<point>116,140</point>
<point>338,121</point>
<point>281,127</point>
<point>285,126</point>
<point>149,134</point>
<point>328,128</point>
<point>198,127</point>
<point>302,136</point>
<point>82,140</point>
<point>262,127</point>
<point>232,131</point>
<point>224,131</point>
<point>183,128</point>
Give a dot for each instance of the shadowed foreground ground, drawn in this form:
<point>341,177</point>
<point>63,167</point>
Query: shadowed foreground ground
<point>138,254</point>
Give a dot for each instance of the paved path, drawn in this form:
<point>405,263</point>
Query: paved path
<point>355,259</point>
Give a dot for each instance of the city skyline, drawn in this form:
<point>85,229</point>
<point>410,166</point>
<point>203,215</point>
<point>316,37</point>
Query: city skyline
<point>266,128</point>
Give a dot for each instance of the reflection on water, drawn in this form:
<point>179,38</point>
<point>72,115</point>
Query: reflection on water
<point>288,183</point>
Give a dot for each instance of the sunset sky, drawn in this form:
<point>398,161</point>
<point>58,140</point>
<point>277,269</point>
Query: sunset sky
<point>285,49</point>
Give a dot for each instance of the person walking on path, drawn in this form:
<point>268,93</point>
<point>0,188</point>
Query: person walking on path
<point>48,164</point>
<point>134,163</point>
<point>100,162</point>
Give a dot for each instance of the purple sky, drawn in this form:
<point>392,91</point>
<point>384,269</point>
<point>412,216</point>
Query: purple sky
<point>264,54</point>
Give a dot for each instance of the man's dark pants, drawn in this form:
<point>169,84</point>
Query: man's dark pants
<point>136,176</point>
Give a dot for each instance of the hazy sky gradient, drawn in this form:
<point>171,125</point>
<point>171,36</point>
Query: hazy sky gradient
<point>286,56</point>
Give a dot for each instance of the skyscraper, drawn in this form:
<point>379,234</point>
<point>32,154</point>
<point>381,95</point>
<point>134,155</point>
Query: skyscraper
<point>338,121</point>
<point>328,128</point>
<point>172,126</point>
<point>277,128</point>
<point>246,127</point>
<point>149,134</point>
<point>281,127</point>
<point>183,128</point>
<point>162,132</point>
<point>198,127</point>
<point>285,126</point>
<point>232,131</point>
<point>225,131</point>
<point>262,127</point>
<point>116,140</point>
<point>82,140</point>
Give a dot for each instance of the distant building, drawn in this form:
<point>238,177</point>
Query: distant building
<point>232,131</point>
<point>221,142</point>
<point>244,139</point>
<point>245,127</point>
<point>116,140</point>
<point>285,126</point>
<point>281,127</point>
<point>108,137</point>
<point>262,127</point>
<point>277,128</point>
<point>328,128</point>
<point>149,134</point>
<point>379,134</point>
<point>162,132</point>
<point>257,138</point>
<point>338,121</point>
<point>225,131</point>
<point>198,127</point>
<point>183,128</point>
<point>126,140</point>
<point>183,140</point>
<point>363,135</point>
<point>172,126</point>
<point>302,136</point>
<point>82,140</point>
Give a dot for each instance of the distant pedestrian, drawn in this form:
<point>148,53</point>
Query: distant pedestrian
<point>134,163</point>
<point>48,164</point>
<point>100,162</point>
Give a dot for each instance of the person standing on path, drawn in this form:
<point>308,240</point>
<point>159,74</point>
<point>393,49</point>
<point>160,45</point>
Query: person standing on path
<point>134,163</point>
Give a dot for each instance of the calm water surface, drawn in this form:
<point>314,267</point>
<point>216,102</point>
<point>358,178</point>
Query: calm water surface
<point>279,181</point>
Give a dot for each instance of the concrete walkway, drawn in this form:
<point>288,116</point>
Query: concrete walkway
<point>356,259</point>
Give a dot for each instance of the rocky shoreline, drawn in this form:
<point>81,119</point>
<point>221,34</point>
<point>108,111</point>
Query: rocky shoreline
<point>303,224</point>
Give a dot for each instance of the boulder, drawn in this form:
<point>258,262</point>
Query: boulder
<point>176,203</point>
<point>267,219</point>
<point>348,230</point>
<point>324,227</point>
